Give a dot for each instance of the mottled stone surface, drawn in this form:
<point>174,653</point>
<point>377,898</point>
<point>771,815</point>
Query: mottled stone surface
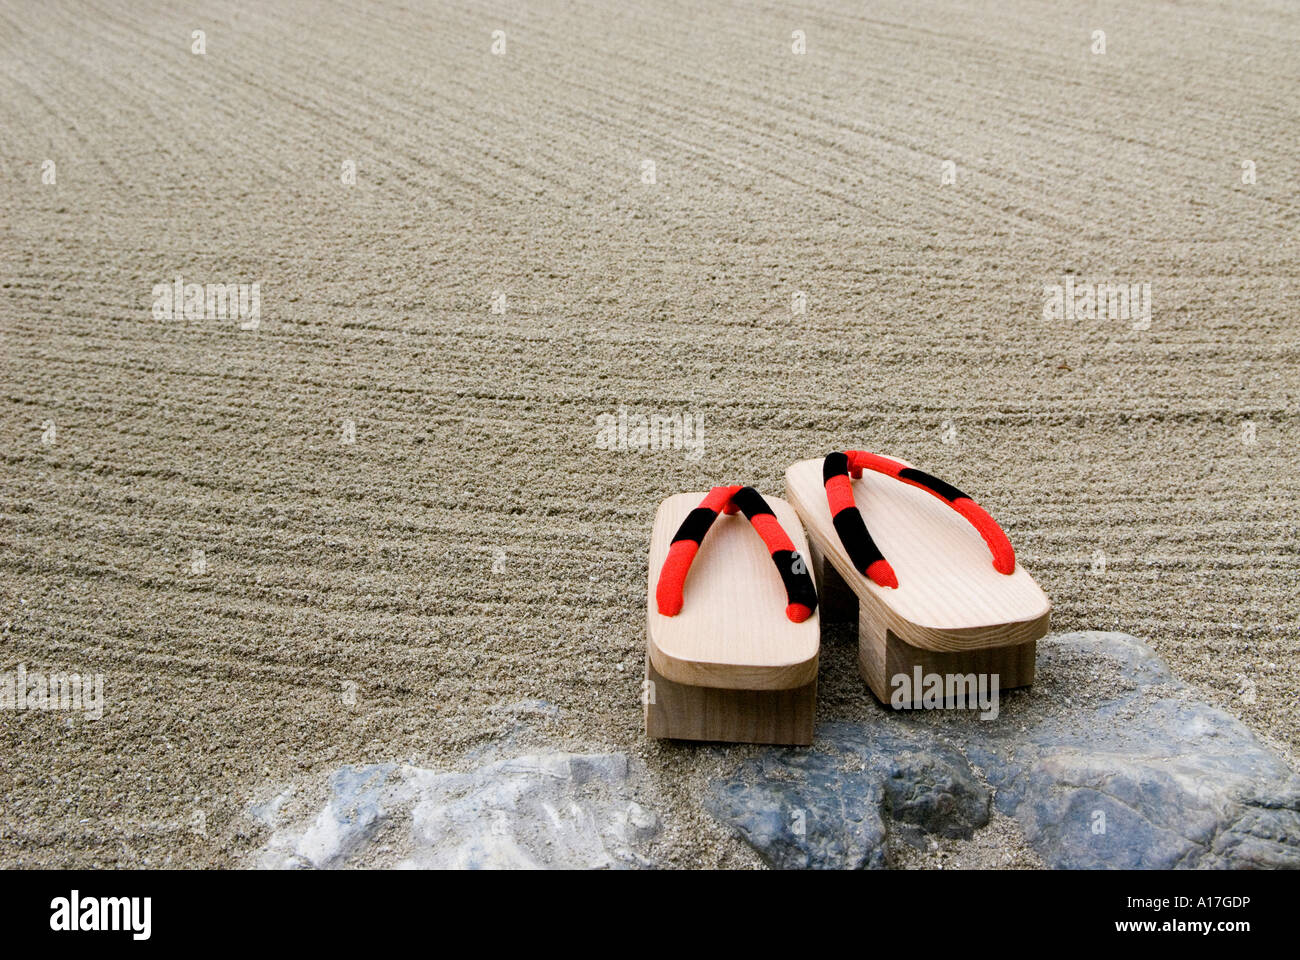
<point>1147,776</point>
<point>1109,762</point>
<point>836,804</point>
<point>557,810</point>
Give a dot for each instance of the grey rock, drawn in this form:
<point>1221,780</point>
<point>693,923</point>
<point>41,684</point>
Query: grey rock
<point>839,804</point>
<point>552,810</point>
<point>1141,774</point>
<point>1108,762</point>
<point>346,822</point>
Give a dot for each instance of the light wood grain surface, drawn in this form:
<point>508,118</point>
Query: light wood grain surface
<point>732,631</point>
<point>680,711</point>
<point>949,597</point>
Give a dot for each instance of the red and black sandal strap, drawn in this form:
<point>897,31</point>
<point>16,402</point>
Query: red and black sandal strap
<point>836,473</point>
<point>847,518</point>
<point>801,594</point>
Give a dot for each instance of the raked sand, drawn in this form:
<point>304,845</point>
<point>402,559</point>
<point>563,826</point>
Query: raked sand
<point>647,194</point>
